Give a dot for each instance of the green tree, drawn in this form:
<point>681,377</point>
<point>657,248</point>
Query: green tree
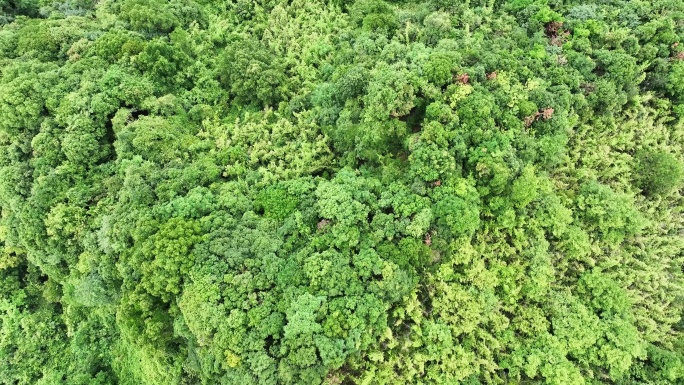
<point>657,173</point>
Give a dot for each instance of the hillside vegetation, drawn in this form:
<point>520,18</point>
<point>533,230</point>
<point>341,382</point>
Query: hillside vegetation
<point>262,192</point>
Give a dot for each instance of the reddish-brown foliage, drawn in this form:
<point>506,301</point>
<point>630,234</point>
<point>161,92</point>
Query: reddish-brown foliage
<point>323,223</point>
<point>428,239</point>
<point>463,79</point>
<point>546,114</point>
<point>552,28</point>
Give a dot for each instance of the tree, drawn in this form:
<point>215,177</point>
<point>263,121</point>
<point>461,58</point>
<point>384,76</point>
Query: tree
<point>657,173</point>
<point>348,192</point>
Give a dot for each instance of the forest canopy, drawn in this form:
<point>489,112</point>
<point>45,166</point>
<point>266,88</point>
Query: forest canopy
<point>349,192</point>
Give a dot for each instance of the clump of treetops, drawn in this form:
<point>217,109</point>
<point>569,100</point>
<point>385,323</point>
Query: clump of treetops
<point>341,192</point>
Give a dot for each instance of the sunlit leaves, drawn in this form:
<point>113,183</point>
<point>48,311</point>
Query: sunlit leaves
<point>348,192</point>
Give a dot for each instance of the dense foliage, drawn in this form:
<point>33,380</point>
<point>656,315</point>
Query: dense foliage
<point>344,192</point>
